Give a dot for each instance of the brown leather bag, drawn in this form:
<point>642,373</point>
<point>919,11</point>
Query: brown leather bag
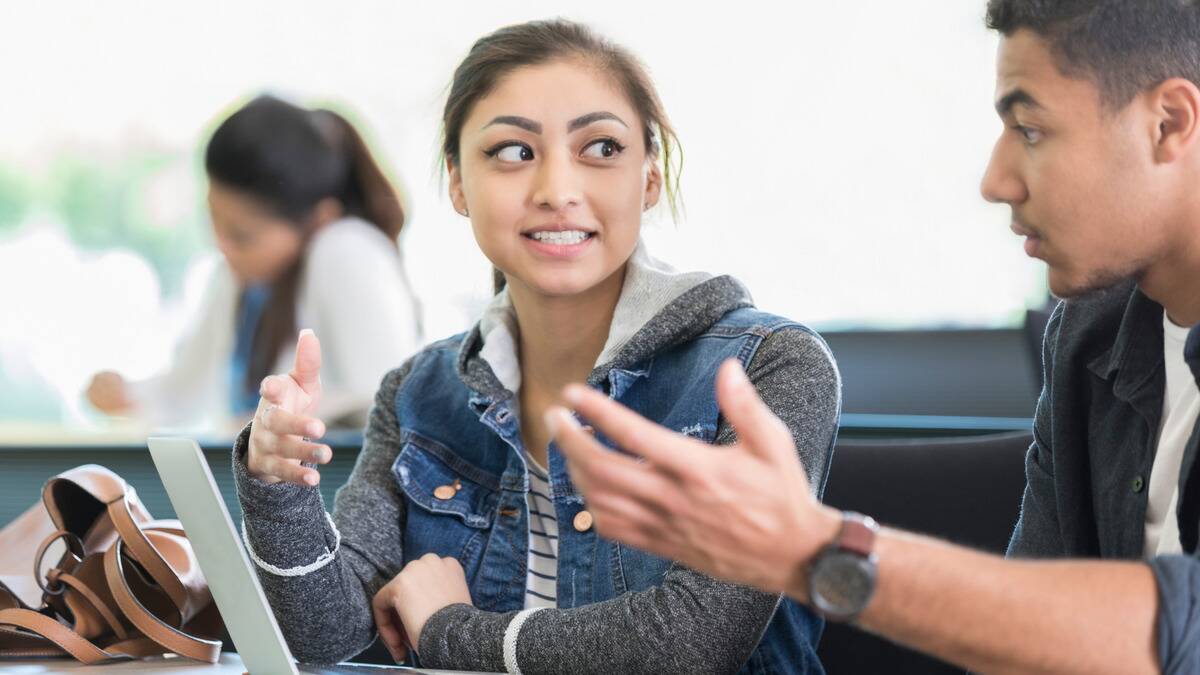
<point>127,586</point>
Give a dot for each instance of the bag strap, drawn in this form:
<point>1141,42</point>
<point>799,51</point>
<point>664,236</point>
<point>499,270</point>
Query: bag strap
<point>97,603</point>
<point>147,555</point>
<point>188,595</point>
<point>145,621</point>
<point>50,629</point>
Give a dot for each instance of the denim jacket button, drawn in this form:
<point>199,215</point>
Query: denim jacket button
<point>1138,483</point>
<point>444,492</point>
<point>583,521</point>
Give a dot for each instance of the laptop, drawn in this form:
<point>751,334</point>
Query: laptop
<point>234,584</point>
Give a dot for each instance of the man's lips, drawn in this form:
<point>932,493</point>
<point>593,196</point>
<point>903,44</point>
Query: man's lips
<point>1024,231</point>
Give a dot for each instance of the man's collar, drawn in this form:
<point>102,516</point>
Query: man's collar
<point>1136,352</point>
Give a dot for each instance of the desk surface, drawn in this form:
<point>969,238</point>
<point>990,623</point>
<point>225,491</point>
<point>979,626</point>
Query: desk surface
<point>230,664</point>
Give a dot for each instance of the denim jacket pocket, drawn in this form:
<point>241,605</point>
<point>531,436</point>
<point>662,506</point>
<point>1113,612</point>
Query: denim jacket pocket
<point>451,504</point>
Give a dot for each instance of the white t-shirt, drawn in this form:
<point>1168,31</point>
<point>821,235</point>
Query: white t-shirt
<point>1181,403</point>
<point>353,293</point>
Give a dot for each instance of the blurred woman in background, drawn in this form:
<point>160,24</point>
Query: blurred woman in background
<point>308,227</point>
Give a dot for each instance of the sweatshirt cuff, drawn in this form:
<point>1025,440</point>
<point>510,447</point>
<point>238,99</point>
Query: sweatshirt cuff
<point>285,524</point>
<point>258,497</point>
<point>463,637</point>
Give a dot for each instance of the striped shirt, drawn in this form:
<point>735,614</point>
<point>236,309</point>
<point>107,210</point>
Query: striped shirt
<point>541,584</point>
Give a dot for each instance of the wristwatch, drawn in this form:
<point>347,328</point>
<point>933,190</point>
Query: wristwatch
<point>841,578</point>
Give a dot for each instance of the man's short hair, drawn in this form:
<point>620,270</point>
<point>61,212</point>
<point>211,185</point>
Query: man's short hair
<point>1124,47</point>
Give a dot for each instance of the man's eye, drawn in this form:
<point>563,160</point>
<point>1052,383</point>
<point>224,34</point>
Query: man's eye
<point>1031,136</point>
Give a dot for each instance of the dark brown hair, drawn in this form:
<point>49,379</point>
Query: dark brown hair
<point>288,159</point>
<point>1124,47</point>
<point>496,55</point>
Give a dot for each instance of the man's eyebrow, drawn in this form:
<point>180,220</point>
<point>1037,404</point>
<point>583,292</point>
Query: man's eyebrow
<point>517,121</point>
<point>1015,98</point>
<point>584,120</point>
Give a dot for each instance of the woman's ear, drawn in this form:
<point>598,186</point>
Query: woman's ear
<point>457,197</point>
<point>654,185</point>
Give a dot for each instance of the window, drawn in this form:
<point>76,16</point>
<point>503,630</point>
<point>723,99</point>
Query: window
<point>832,160</point>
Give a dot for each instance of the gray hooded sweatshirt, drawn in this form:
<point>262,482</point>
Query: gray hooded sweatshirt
<point>690,623</point>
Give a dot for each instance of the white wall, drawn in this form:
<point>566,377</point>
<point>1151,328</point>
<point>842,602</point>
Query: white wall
<point>833,150</point>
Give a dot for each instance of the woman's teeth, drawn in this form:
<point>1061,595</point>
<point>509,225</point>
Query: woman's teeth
<point>565,238</point>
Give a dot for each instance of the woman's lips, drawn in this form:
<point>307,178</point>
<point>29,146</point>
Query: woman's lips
<point>559,244</point>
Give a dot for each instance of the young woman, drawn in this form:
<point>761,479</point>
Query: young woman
<point>307,224</point>
<point>459,533</point>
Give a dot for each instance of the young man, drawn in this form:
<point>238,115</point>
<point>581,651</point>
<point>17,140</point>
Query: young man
<point>1100,161</point>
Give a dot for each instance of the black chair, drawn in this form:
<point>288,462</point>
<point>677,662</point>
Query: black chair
<point>965,490</point>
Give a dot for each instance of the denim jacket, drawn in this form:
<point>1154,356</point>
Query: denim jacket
<point>442,471</point>
<point>467,436</point>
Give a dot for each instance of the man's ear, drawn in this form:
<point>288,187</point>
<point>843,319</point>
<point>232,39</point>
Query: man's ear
<point>1175,105</point>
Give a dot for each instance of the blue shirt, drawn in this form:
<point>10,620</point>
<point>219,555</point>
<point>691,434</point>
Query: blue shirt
<point>243,396</point>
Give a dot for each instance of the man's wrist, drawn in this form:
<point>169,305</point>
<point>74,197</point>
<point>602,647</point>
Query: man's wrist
<point>822,528</point>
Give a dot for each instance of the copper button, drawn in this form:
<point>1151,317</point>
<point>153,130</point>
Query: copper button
<point>583,521</point>
<point>444,492</point>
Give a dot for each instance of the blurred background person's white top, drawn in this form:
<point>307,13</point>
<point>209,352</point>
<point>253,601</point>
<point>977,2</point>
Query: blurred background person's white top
<point>353,293</point>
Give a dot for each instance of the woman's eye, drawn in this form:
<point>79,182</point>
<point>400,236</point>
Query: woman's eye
<point>603,149</point>
<point>513,153</point>
<point>238,238</point>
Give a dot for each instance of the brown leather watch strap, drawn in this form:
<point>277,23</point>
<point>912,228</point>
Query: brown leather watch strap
<point>857,534</point>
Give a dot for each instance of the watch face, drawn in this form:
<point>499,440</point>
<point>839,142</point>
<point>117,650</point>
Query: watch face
<point>841,583</point>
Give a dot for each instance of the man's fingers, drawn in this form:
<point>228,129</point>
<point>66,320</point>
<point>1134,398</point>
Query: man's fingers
<point>280,421</point>
<point>623,519</point>
<point>631,431</point>
<point>578,445</point>
<point>757,427</point>
<point>307,368</point>
<point>613,476</point>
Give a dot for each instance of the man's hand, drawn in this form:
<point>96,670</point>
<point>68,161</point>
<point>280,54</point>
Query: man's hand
<point>743,513</point>
<point>423,587</point>
<point>284,422</point>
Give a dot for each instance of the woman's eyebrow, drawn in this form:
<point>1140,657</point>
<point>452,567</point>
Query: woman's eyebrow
<point>516,121</point>
<point>584,120</point>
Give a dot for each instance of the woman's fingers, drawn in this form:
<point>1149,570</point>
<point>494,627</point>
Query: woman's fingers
<point>388,623</point>
<point>274,388</point>
<point>290,470</point>
<point>279,444</point>
<point>283,422</point>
